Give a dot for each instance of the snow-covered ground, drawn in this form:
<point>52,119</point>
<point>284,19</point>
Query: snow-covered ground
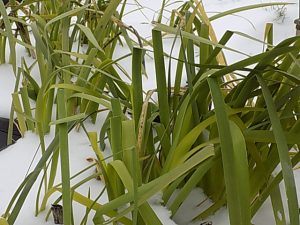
<point>15,160</point>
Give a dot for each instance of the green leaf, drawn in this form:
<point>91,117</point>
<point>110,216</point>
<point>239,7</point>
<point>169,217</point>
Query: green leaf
<point>283,151</point>
<point>234,158</point>
<point>164,111</point>
<point>245,8</point>
<point>89,34</point>
<point>68,119</point>
<point>64,155</point>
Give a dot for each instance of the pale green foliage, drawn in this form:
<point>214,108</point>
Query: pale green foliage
<point>225,132</point>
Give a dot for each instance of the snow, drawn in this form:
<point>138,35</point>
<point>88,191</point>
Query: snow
<point>7,85</point>
<point>15,160</point>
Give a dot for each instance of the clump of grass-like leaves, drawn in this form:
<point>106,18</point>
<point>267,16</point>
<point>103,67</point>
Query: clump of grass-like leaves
<point>226,131</point>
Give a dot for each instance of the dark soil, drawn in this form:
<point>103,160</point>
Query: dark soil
<point>4,122</point>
